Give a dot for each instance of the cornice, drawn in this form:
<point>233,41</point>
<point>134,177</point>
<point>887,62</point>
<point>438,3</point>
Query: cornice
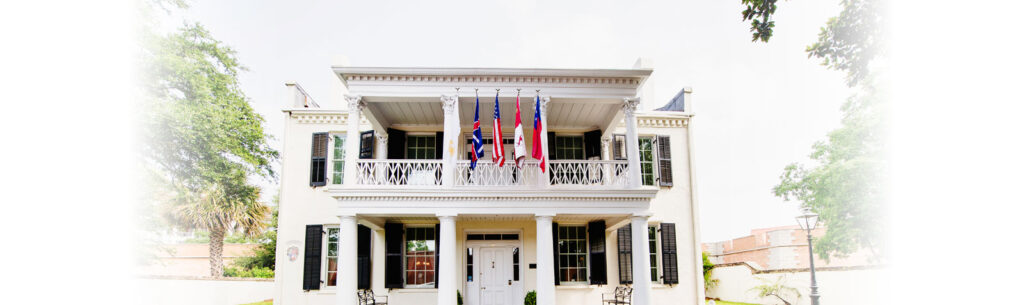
<point>319,116</point>
<point>582,81</point>
<point>450,71</point>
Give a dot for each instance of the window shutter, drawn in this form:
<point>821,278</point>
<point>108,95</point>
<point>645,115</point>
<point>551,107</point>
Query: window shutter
<point>439,145</point>
<point>393,258</point>
<point>396,144</point>
<point>311,263</point>
<point>551,145</point>
<point>318,164</point>
<point>366,144</point>
<point>592,144</point>
<point>363,257</point>
<point>669,264</point>
<point>554,239</point>
<point>598,259</point>
<point>625,241</point>
<point>437,250</point>
<point>619,149</point>
<point>664,161</point>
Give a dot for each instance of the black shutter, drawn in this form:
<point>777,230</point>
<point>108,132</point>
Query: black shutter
<point>669,263</point>
<point>396,144</point>
<point>318,165</point>
<point>554,239</point>
<point>393,260</point>
<point>437,250</point>
<point>598,259</point>
<point>618,147</point>
<point>363,257</point>
<point>664,161</point>
<point>439,145</point>
<point>625,241</point>
<point>366,144</point>
<point>551,145</point>
<point>311,264</point>
<point>592,144</point>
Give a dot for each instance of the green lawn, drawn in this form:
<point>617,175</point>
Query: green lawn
<point>729,303</point>
<point>267,302</point>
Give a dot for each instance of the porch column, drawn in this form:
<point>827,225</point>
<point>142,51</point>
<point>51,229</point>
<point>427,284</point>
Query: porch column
<point>446,279</point>
<point>355,114</point>
<point>545,261</point>
<point>347,280</point>
<point>641,261</point>
<point>452,130</point>
<point>382,146</point>
<point>606,154</point>
<point>632,142</point>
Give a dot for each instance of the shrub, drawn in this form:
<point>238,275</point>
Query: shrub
<point>531,298</point>
<point>261,272</point>
<point>458,296</point>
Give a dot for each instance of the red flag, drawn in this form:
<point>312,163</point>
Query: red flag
<point>538,132</point>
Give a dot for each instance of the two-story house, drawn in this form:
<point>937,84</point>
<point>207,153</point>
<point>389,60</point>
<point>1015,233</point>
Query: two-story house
<point>382,194</point>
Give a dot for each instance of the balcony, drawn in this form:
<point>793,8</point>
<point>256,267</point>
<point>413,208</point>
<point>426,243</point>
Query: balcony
<point>429,173</point>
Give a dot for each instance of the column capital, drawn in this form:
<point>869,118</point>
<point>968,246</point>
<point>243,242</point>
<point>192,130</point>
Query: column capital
<point>544,101</point>
<point>382,138</point>
<point>355,102</point>
<point>640,216</point>
<point>629,106</point>
<point>448,103</point>
<point>445,216</point>
<point>546,216</point>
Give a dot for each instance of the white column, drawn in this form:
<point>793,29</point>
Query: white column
<point>632,141</point>
<point>641,261</point>
<point>452,130</point>
<point>355,114</point>
<point>446,279</point>
<point>382,146</point>
<point>606,154</point>
<point>545,261</point>
<point>544,101</point>
<point>347,265</point>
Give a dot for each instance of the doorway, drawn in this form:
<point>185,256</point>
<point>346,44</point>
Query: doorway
<point>493,271</point>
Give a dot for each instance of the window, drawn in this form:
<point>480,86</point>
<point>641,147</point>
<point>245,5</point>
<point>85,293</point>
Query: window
<point>647,160</point>
<point>652,240</point>
<point>572,254</point>
<point>419,257</point>
<point>568,147</point>
<point>515,264</point>
<point>469,264</point>
<point>332,257</point>
<point>420,147</point>
<point>338,156</point>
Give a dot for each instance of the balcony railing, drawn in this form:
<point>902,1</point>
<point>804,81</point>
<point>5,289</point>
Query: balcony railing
<point>560,173</point>
<point>399,172</point>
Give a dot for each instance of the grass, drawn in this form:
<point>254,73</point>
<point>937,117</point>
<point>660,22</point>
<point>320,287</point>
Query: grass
<point>264,302</point>
<point>729,303</point>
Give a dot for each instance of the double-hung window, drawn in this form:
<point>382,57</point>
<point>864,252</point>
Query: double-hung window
<point>647,160</point>
<point>338,160</point>
<point>572,254</point>
<point>419,257</point>
<point>331,261</point>
<point>421,147</point>
<point>652,240</point>
<point>569,147</point>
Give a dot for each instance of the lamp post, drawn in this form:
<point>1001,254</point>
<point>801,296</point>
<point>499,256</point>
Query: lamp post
<point>808,220</point>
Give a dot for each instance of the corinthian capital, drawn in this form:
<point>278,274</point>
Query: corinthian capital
<point>448,103</point>
<point>355,102</point>
<point>544,101</point>
<point>629,106</point>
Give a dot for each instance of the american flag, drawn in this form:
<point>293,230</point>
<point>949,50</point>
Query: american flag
<point>538,132</point>
<point>497,148</point>
<point>478,136</point>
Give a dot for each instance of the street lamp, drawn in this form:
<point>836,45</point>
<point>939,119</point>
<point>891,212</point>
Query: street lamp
<point>807,222</point>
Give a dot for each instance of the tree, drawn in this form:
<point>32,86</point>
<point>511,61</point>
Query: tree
<point>201,138</point>
<point>777,289</point>
<point>708,266</point>
<point>848,42</point>
<point>264,256</point>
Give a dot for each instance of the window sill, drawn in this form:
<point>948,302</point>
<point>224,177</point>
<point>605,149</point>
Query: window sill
<point>414,290</point>
<point>576,286</point>
<point>660,286</point>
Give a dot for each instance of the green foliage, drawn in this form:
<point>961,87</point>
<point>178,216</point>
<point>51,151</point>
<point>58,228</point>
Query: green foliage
<point>264,256</point>
<point>202,237</point>
<point>255,272</point>
<point>848,182</point>
<point>848,42</point>
<point>777,289</point>
<point>458,297</point>
<point>708,266</point>
<point>531,298</point>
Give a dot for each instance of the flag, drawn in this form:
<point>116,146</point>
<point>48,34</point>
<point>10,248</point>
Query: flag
<point>497,148</point>
<point>519,145</point>
<point>538,132</point>
<point>478,136</point>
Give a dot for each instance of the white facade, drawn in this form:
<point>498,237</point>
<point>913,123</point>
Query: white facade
<point>489,233</point>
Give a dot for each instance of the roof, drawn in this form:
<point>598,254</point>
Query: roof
<point>677,102</point>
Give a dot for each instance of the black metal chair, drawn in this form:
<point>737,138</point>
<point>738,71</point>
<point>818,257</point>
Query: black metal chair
<point>622,295</point>
<point>366,297</point>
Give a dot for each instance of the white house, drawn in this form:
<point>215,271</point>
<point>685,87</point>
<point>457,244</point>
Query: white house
<point>381,195</point>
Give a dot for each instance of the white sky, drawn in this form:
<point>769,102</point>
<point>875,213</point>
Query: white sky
<point>759,106</point>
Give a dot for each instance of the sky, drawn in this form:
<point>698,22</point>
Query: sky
<point>758,106</point>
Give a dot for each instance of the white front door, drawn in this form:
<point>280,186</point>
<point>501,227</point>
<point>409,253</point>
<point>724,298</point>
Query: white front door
<point>496,276</point>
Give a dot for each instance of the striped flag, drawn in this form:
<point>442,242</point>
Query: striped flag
<point>497,148</point>
<point>478,136</point>
<point>519,146</point>
<point>538,132</point>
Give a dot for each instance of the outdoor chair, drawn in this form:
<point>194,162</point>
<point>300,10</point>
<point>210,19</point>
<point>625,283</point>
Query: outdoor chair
<point>622,295</point>
<point>366,297</point>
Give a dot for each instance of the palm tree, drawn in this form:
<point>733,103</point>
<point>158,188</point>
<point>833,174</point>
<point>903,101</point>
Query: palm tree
<point>218,211</point>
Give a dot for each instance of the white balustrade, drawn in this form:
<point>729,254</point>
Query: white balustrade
<point>589,172</point>
<point>399,172</point>
<point>488,173</point>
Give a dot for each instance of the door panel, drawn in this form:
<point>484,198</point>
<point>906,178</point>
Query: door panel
<point>495,276</point>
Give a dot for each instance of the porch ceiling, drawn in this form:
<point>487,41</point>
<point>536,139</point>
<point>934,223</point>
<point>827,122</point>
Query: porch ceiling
<point>563,113</point>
